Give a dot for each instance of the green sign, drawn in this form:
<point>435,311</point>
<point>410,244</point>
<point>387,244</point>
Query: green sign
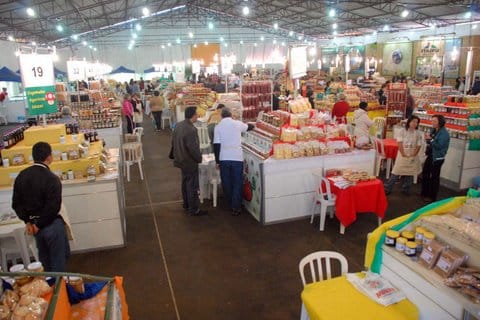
<point>41,100</point>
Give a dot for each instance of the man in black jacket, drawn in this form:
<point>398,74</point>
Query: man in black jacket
<point>187,156</point>
<point>37,198</point>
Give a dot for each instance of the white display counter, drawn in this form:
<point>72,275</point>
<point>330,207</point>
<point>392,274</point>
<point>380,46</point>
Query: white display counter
<point>282,190</point>
<point>461,165</point>
<point>425,288</point>
<point>95,210</point>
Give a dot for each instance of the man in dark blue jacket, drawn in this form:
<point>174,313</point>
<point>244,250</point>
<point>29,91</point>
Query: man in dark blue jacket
<point>438,141</point>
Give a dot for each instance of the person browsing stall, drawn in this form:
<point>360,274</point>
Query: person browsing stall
<point>228,153</point>
<point>37,199</point>
<point>157,103</point>
<point>438,141</point>
<point>362,125</point>
<point>186,155</point>
<point>340,109</point>
<point>407,163</point>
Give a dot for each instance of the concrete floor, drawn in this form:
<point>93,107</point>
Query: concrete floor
<point>216,266</point>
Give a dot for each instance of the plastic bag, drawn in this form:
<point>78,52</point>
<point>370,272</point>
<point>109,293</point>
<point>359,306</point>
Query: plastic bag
<point>376,288</point>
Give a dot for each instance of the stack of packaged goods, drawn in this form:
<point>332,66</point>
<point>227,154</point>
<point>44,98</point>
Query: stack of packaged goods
<point>95,115</point>
<point>76,154</point>
<point>294,135</point>
<point>256,97</point>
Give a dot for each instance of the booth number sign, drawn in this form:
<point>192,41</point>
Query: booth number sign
<point>39,82</point>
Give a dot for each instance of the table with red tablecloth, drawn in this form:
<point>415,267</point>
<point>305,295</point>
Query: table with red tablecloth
<point>391,148</point>
<point>367,196</point>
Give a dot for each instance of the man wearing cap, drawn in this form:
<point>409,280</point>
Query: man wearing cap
<point>186,156</point>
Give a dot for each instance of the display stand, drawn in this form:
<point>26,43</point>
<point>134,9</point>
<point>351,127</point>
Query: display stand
<point>396,103</point>
<point>256,97</point>
<point>282,190</point>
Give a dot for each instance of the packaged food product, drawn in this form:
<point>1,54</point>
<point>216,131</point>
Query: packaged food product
<point>296,151</point>
<point>430,253</point>
<point>376,288</point>
<point>4,312</point>
<point>419,231</point>
<point>18,160</point>
<point>410,249</point>
<point>448,262</point>
<point>10,299</point>
<point>428,237</point>
<point>391,237</point>
<point>77,284</point>
<point>36,288</point>
<point>410,236</point>
<point>279,151</point>
<point>400,244</point>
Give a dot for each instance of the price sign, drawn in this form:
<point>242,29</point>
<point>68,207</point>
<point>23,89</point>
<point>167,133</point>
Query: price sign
<point>39,82</point>
<point>76,70</point>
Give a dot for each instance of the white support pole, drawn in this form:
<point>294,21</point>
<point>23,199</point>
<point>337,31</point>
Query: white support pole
<point>468,70</point>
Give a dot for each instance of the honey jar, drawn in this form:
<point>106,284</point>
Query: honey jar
<point>400,244</point>
<point>428,237</point>
<point>410,249</point>
<point>391,237</point>
<point>409,235</point>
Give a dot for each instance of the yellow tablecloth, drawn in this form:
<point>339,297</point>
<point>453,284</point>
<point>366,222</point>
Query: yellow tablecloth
<point>337,299</point>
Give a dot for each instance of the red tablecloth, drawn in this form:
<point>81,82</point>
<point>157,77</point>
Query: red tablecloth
<point>391,148</point>
<point>366,196</point>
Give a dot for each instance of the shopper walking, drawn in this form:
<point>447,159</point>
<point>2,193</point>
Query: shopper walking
<point>438,141</point>
<point>187,155</point>
<point>138,109</point>
<point>229,154</point>
<point>362,125</point>
<point>37,198</point>
<point>340,109</point>
<point>127,112</point>
<point>157,103</point>
<point>407,163</point>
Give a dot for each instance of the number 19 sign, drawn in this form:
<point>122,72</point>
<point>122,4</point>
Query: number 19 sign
<point>39,82</point>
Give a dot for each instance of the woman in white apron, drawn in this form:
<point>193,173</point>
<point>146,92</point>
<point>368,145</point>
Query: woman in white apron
<point>407,163</point>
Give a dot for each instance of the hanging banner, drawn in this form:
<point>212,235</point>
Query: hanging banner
<point>452,58</point>
<point>90,70</point>
<point>329,58</point>
<point>76,70</point>
<point>298,62</point>
<point>39,82</point>
<point>356,55</point>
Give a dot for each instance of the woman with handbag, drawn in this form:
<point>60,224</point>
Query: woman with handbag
<point>407,163</point>
<point>137,110</point>
<point>127,112</point>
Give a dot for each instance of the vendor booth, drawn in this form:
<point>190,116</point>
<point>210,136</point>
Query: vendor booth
<point>14,107</point>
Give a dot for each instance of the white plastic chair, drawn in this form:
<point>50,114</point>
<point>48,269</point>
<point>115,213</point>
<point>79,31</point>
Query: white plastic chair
<point>318,257</point>
<point>214,180</point>
<point>379,123</point>
<point>138,132</point>
<point>166,116</point>
<point>132,154</point>
<point>381,157</point>
<point>10,251</point>
<point>202,131</point>
<point>14,241</point>
<point>325,198</point>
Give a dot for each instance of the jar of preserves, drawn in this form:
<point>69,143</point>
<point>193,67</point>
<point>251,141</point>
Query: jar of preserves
<point>391,237</point>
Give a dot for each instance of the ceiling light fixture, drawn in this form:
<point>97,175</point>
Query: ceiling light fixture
<point>163,46</point>
<point>94,49</point>
<point>169,44</point>
<point>225,44</point>
<point>145,12</point>
<point>210,25</point>
<point>195,45</point>
<point>178,40</point>
<point>300,37</point>
<point>255,44</point>
<point>283,44</point>
<point>206,43</point>
<point>75,37</point>
<point>274,41</point>
<point>468,15</point>
<point>335,33</point>
<point>84,43</point>
<point>11,38</point>
<point>134,36</point>
<point>405,13</point>
<point>386,27</point>
<point>59,28</point>
<point>34,43</point>
<point>262,38</point>
<point>275,26</point>
<point>332,13</point>
<point>241,41</point>
<point>474,26</point>
<point>221,39</point>
<point>190,34</point>
<point>290,33</point>
<point>246,11</point>
<point>334,26</point>
<point>30,12</point>
<point>138,27</point>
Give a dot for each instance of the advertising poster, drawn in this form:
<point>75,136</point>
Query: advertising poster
<point>39,82</point>
<point>252,185</point>
<point>328,56</point>
<point>397,58</point>
<point>357,56</point>
<point>298,62</point>
<point>452,61</point>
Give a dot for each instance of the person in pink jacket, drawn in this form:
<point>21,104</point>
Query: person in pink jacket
<point>127,112</point>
